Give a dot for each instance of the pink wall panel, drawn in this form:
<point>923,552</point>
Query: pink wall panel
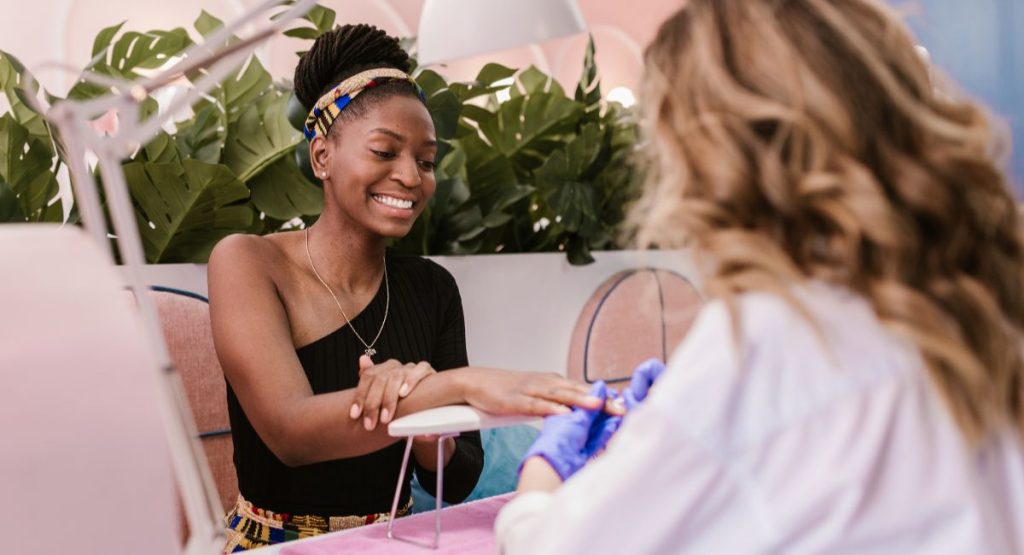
<point>63,30</point>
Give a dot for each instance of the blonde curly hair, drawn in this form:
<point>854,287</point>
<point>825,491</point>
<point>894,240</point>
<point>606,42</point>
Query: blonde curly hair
<point>797,139</point>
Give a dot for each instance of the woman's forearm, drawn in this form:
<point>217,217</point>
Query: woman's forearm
<point>538,475</point>
<point>320,427</point>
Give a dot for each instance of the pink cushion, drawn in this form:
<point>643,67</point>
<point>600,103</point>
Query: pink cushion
<point>633,316</point>
<point>185,321</point>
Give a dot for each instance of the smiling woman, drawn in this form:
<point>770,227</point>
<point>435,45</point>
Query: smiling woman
<point>380,172</point>
<point>325,336</point>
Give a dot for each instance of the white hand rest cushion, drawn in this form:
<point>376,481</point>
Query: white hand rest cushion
<point>451,419</point>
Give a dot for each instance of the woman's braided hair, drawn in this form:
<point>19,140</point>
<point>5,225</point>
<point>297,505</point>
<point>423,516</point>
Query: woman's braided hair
<point>343,52</point>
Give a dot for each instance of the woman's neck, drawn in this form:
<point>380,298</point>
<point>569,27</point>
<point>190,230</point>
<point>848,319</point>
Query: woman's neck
<point>345,256</point>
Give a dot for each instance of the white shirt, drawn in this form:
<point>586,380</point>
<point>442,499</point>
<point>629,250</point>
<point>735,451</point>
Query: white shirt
<point>790,448</point>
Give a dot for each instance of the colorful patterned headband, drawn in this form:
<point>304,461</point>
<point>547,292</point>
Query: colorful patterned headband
<point>326,110</point>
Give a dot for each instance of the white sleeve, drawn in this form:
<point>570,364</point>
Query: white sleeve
<point>654,490</point>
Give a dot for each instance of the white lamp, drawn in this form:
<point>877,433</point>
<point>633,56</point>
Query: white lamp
<point>454,29</point>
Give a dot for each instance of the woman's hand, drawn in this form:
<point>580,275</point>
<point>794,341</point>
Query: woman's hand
<point>568,441</point>
<point>528,393</point>
<point>381,386</point>
<point>644,377</point>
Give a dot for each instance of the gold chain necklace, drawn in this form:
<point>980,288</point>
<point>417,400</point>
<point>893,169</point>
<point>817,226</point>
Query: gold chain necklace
<point>370,351</point>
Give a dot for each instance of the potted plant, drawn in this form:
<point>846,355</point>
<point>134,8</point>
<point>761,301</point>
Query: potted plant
<point>542,171</point>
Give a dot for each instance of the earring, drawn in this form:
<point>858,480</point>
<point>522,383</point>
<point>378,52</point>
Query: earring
<point>323,175</point>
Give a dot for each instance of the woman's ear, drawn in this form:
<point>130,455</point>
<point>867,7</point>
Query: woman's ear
<point>319,156</point>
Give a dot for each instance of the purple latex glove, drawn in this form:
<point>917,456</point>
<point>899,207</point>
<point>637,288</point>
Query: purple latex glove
<point>644,377</point>
<point>567,441</point>
<point>603,429</point>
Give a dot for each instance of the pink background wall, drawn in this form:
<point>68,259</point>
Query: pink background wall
<point>63,30</point>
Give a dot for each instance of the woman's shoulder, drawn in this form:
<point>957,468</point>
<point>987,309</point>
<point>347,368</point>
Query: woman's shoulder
<point>239,246</point>
<point>248,249</point>
<point>252,257</point>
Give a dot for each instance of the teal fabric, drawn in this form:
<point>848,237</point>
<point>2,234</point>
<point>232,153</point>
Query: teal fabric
<point>503,448</point>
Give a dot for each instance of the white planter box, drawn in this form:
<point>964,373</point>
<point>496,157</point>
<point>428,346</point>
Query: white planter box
<point>520,308</point>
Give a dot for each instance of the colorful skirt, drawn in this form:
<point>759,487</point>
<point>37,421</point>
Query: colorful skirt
<point>250,527</point>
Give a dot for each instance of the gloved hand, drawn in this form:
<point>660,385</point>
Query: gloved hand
<point>568,440</point>
<point>643,377</point>
<point>604,427</point>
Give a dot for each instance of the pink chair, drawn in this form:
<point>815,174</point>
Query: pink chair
<point>185,321</point>
<point>633,316</point>
<point>85,465</point>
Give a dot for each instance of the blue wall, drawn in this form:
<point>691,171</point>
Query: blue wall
<point>980,43</point>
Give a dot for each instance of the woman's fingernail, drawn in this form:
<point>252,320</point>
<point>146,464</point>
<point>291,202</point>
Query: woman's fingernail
<point>385,416</point>
<point>616,406</point>
<point>367,423</point>
<point>353,413</point>
<point>562,409</point>
<point>404,390</point>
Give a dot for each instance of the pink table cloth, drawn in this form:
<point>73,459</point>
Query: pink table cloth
<point>466,528</point>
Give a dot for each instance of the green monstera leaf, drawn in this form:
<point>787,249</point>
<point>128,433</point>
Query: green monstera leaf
<point>443,104</point>
<point>161,148</point>
<point>532,80</point>
<point>202,137</point>
<point>489,173</point>
<point>10,211</point>
<point>25,172</point>
<point>572,162</point>
<point>240,90</point>
<point>184,209</point>
<point>29,188</point>
<point>588,90</point>
<point>570,199</point>
<point>283,193</point>
<point>13,77</point>
<point>491,79</point>
<point>260,136</point>
<point>124,57</point>
<point>530,125</point>
<point>206,24</point>
<point>322,19</point>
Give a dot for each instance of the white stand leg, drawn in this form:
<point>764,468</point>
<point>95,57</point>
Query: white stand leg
<point>437,492</point>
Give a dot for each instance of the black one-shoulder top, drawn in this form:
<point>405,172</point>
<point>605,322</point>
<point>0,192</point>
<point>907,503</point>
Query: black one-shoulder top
<point>424,323</point>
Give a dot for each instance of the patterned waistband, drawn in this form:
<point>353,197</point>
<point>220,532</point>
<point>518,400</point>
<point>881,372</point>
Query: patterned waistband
<point>250,527</point>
